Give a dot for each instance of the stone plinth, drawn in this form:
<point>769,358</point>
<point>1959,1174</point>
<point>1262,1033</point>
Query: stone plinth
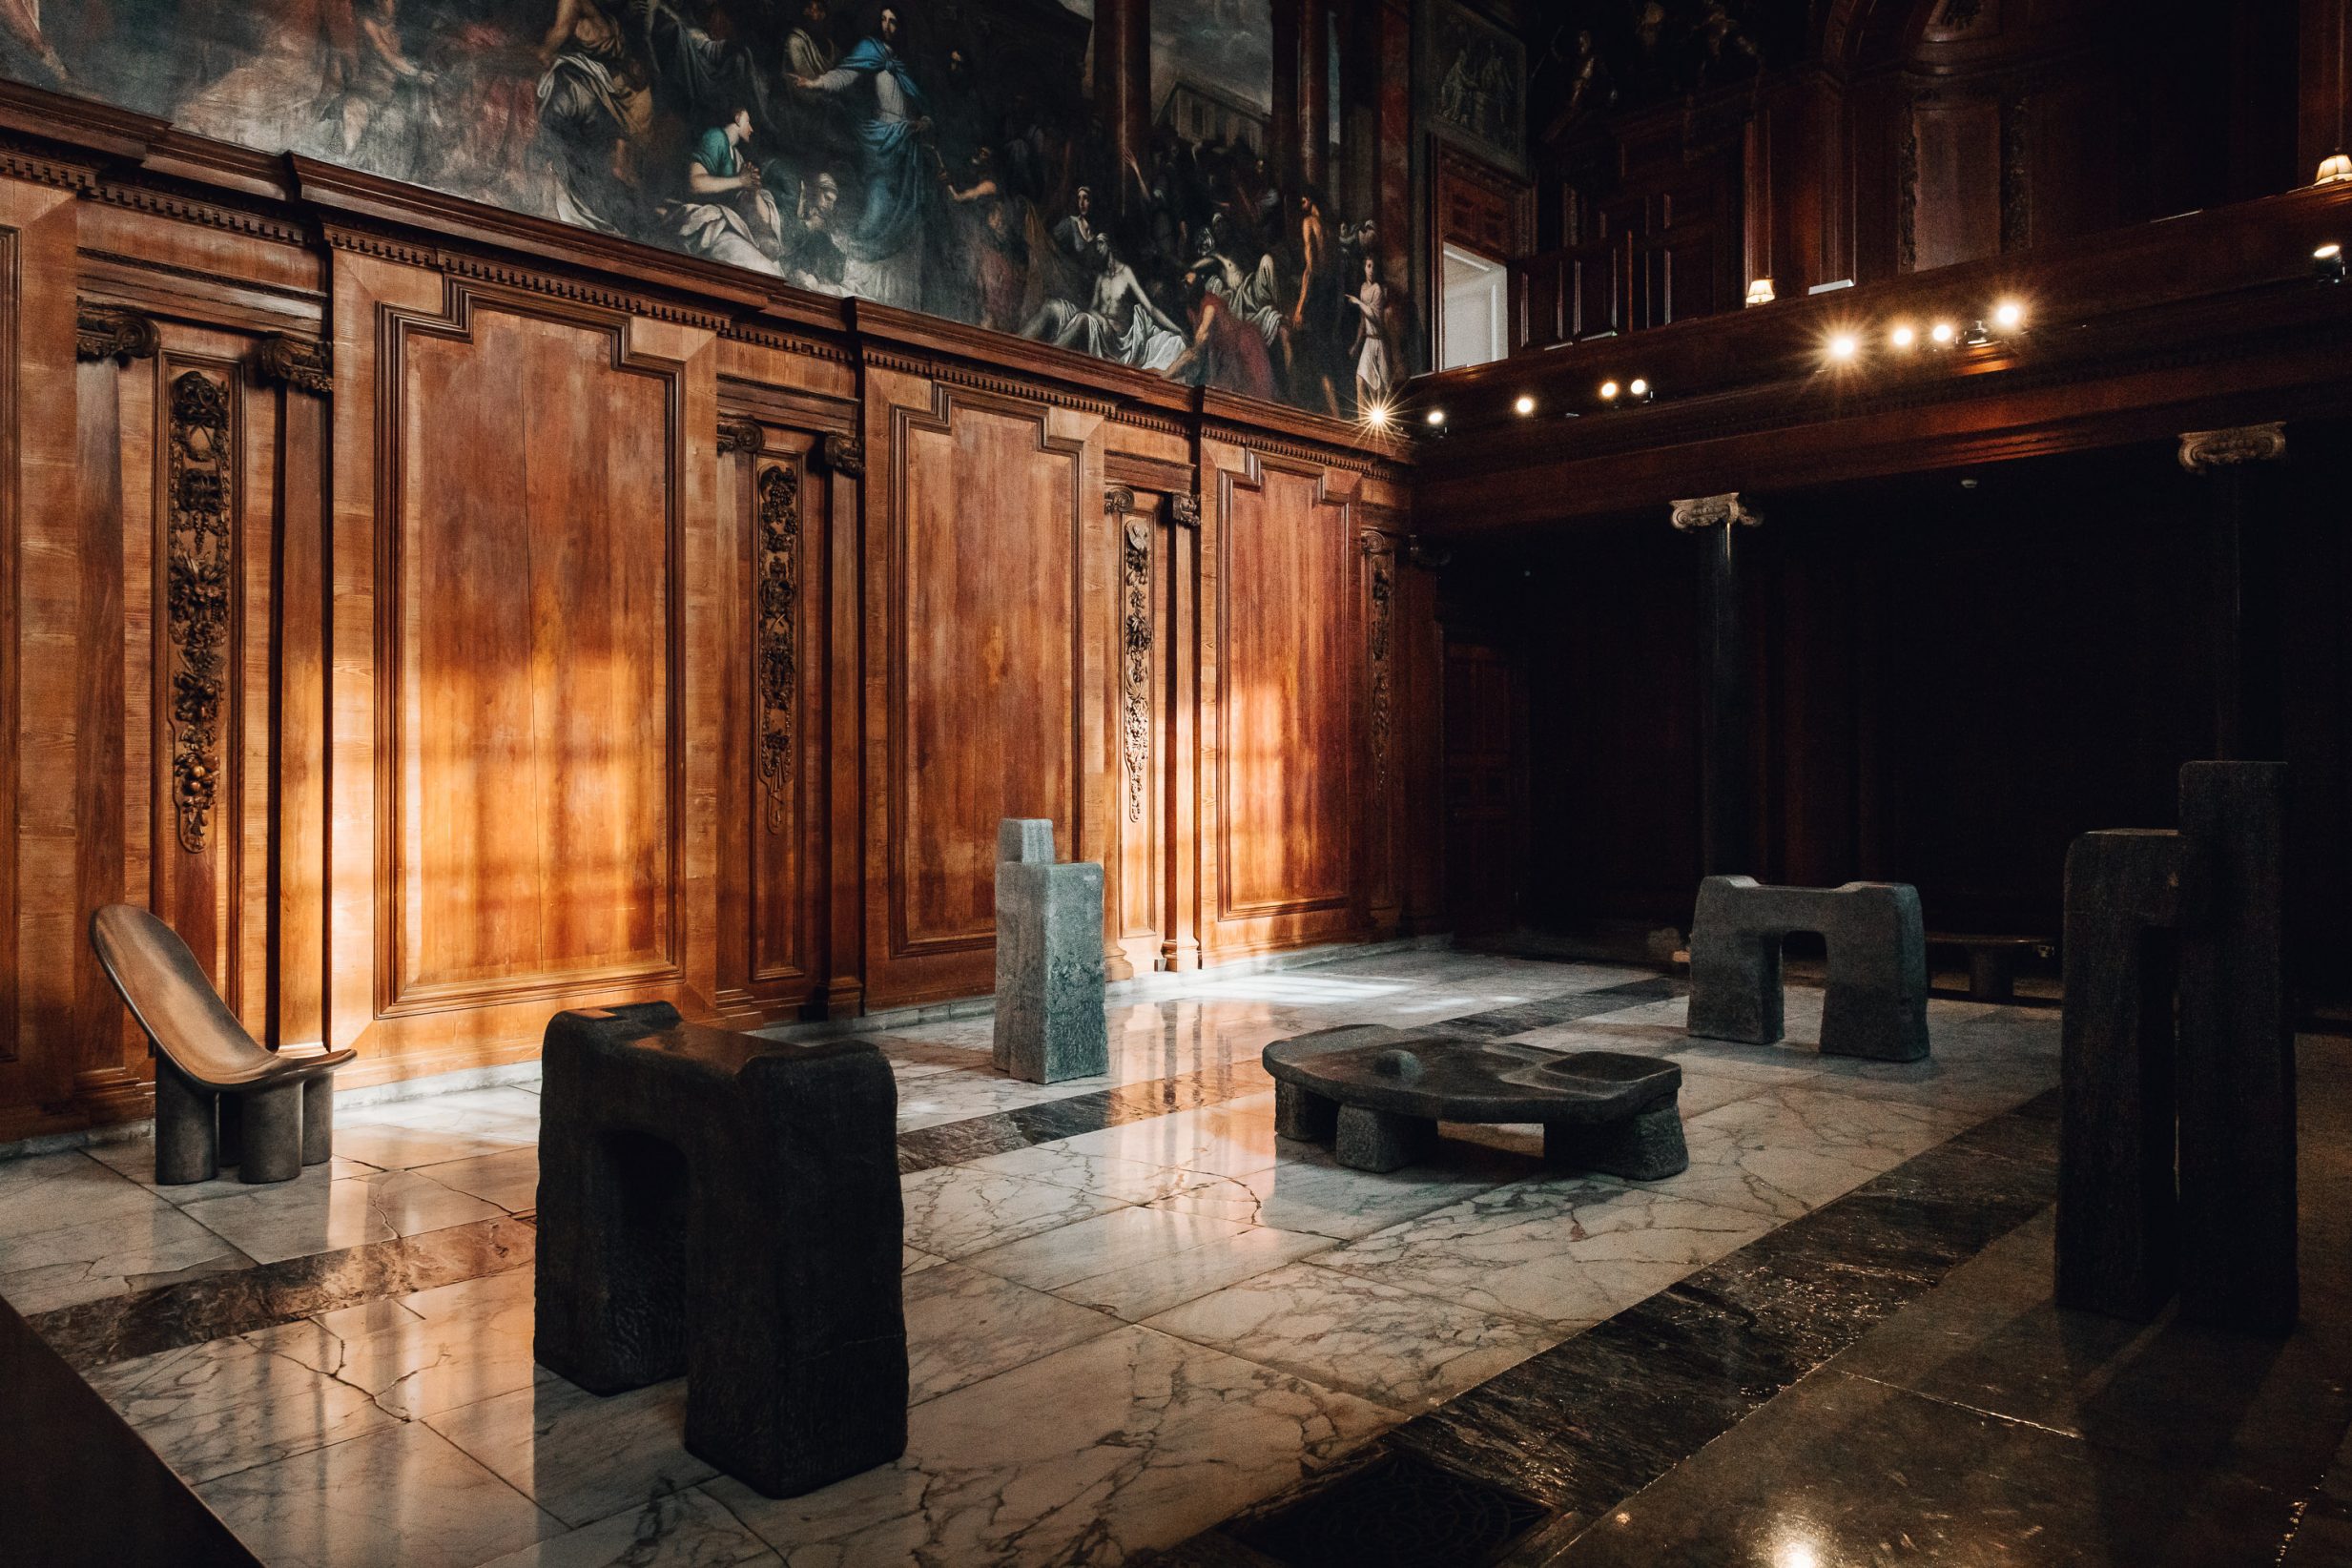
<point>1049,1021</point>
<point>726,1208</point>
<point>1876,1000</point>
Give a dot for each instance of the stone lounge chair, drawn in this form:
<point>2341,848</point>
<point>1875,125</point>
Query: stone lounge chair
<point>220,1098</point>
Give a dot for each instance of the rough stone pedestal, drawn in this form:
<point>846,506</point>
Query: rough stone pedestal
<point>728,1207</point>
<point>1050,1024</point>
<point>1876,1001</point>
<point>2176,1142</point>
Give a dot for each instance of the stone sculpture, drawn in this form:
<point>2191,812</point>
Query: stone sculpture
<point>727,1206</point>
<point>222,1098</point>
<point>1876,1002</point>
<point>1378,1094</point>
<point>2176,1137</point>
<point>1050,1024</point>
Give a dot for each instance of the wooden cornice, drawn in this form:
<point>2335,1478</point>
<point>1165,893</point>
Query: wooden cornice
<point>140,161</point>
<point>2211,318</point>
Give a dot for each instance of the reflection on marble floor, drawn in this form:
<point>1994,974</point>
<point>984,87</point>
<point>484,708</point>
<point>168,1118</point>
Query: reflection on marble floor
<point>1132,1311</point>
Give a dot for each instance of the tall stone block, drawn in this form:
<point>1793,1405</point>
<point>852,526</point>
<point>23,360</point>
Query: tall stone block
<point>2177,1149</point>
<point>1050,1024</point>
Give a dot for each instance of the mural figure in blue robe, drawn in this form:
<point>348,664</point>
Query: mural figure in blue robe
<point>885,245</point>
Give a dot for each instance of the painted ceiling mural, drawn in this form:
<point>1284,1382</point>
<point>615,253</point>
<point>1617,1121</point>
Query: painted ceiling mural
<point>937,155</point>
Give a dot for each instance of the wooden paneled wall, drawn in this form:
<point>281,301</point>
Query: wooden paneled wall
<point>439,635</point>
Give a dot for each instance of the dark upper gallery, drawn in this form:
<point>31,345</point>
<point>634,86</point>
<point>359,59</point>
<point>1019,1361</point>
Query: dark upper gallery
<point>1213,783</point>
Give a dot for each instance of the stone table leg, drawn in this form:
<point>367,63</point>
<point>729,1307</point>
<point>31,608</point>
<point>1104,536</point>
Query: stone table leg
<point>1304,1115</point>
<point>1647,1147</point>
<point>1370,1140</point>
<point>1992,973</point>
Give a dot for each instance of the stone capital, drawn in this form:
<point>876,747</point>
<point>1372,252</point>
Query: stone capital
<point>1710,511</point>
<point>2202,451</point>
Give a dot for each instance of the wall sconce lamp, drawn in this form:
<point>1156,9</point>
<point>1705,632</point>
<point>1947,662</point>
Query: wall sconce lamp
<point>1608,391</point>
<point>1435,419</point>
<point>1844,347</point>
<point>2334,168</point>
<point>2008,316</point>
<point>1523,406</point>
<point>2327,263</point>
<point>1760,291</point>
<point>1903,337</point>
<point>1638,390</point>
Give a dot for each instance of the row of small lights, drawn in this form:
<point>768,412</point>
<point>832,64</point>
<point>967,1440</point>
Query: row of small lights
<point>2328,265</point>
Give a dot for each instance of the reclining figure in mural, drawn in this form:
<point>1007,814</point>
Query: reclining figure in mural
<point>1149,341</point>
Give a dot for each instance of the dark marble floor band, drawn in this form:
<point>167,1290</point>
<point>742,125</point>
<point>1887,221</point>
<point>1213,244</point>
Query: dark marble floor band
<point>96,1334</point>
<point>1576,1429</point>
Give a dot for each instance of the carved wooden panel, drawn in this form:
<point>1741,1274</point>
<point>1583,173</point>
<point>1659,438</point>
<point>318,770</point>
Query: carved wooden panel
<point>1287,683</point>
<point>978,600</point>
<point>531,655</point>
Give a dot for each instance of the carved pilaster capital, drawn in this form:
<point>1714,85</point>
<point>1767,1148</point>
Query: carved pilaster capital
<point>104,332</point>
<point>1184,511</point>
<point>305,364</point>
<point>2202,451</point>
<point>845,455</point>
<point>1372,542</point>
<point>1118,499</point>
<point>1712,511</point>
<point>740,435</point>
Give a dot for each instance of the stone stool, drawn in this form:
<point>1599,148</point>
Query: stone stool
<point>221,1097</point>
<point>1049,1019</point>
<point>728,1207</point>
<point>1875,1004</point>
<point>1377,1095</point>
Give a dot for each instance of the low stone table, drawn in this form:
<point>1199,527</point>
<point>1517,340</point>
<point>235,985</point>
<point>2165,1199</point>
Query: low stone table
<point>1379,1094</point>
<point>728,1207</point>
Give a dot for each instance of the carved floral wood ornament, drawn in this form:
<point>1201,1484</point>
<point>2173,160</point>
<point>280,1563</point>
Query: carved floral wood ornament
<point>776,654</point>
<point>200,559</point>
<point>1135,665</point>
<point>1383,557</point>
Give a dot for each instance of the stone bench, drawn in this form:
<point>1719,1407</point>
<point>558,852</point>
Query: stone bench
<point>1378,1094</point>
<point>1876,1001</point>
<point>726,1208</point>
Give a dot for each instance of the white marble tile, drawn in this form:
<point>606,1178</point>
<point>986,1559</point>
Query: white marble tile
<point>912,1262</point>
<point>1346,1331</point>
<point>114,1256</point>
<point>579,1456</point>
<point>963,1326</point>
<point>510,1179</point>
<point>399,1499</point>
<point>50,1192</point>
<point>957,1095</point>
<point>1232,1139</point>
<point>1307,1190</point>
<point>1091,1456</point>
<point>1064,1164</point>
<point>426,1352</point>
<point>1784,1151</point>
<point>296,1218</point>
<point>391,1146</point>
<point>215,1408</point>
<point>136,1160</point>
<point>686,1529</point>
<point>1565,1253</point>
<point>1136,1262</point>
<point>956,1210</point>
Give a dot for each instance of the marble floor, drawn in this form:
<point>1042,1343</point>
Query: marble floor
<point>1133,1313</point>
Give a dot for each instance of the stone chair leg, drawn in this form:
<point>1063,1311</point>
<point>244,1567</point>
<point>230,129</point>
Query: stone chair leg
<point>187,1131</point>
<point>318,1119</point>
<point>1647,1147</point>
<point>273,1134</point>
<point>1992,973</point>
<point>1304,1115</point>
<point>1370,1140</point>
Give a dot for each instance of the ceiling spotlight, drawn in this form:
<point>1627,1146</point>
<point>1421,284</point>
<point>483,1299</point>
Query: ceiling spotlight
<point>1760,291</point>
<point>1903,337</point>
<point>1844,347</point>
<point>2008,315</point>
<point>1942,334</point>
<point>1637,389</point>
<point>1608,391</point>
<point>2334,168</point>
<point>2327,263</point>
<point>1525,406</point>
